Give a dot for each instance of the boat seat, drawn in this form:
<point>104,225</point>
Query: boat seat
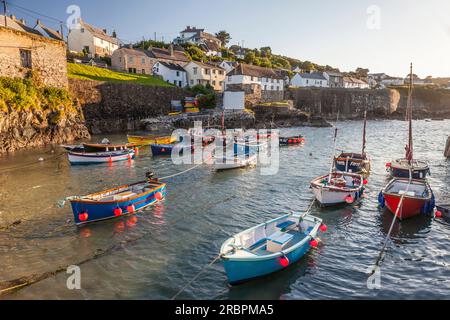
<point>284,226</point>
<point>258,245</point>
<point>409,193</point>
<point>123,195</point>
<point>278,241</point>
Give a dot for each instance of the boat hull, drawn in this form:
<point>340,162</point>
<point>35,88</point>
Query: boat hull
<point>400,169</point>
<point>146,141</point>
<point>352,163</point>
<point>412,205</point>
<point>97,158</point>
<point>236,163</point>
<point>98,211</point>
<point>328,195</point>
<point>241,269</point>
<point>100,147</point>
<point>287,141</point>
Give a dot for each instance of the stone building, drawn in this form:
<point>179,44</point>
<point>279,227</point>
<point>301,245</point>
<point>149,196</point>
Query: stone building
<point>24,49</point>
<point>128,59</point>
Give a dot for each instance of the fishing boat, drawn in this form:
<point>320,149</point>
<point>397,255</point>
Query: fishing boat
<point>402,168</point>
<point>234,162</point>
<point>166,149</point>
<point>99,157</point>
<point>117,202</point>
<point>338,188</point>
<point>73,148</point>
<point>269,247</point>
<point>148,140</point>
<point>407,198</point>
<point>354,162</point>
<point>106,147</point>
<point>444,209</point>
<point>292,140</point>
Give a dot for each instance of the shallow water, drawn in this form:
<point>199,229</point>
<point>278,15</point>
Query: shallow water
<point>155,253</point>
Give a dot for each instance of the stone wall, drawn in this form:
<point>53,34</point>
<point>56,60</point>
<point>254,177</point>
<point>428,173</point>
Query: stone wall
<point>349,102</point>
<point>119,107</point>
<point>48,57</point>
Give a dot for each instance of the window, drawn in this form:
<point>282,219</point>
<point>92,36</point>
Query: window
<point>178,73</point>
<point>214,71</point>
<point>143,61</point>
<point>120,59</point>
<point>229,78</point>
<point>132,70</point>
<point>82,30</point>
<point>251,78</point>
<point>25,58</point>
<point>221,83</point>
<point>265,87</point>
<point>271,87</point>
<point>307,81</point>
<point>143,71</point>
<point>214,82</point>
<point>180,84</point>
<point>175,82</point>
<point>220,72</point>
<point>207,71</point>
<point>198,81</point>
<point>131,59</point>
<point>194,70</point>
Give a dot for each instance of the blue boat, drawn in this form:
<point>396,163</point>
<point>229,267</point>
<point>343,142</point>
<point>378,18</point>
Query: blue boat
<point>117,202</point>
<point>401,168</point>
<point>166,149</point>
<point>269,247</point>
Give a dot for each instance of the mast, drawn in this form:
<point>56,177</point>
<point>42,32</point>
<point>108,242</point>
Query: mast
<point>364,134</point>
<point>409,146</point>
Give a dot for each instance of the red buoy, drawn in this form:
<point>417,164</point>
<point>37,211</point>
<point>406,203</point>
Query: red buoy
<point>131,209</point>
<point>314,243</point>
<point>289,141</point>
<point>83,216</point>
<point>323,227</point>
<point>136,151</point>
<point>163,150</point>
<point>118,212</point>
<point>365,181</point>
<point>349,199</point>
<point>388,165</point>
<point>438,214</point>
<point>158,196</point>
<point>284,261</point>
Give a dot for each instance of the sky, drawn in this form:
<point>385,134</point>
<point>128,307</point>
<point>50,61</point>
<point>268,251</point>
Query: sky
<point>381,35</point>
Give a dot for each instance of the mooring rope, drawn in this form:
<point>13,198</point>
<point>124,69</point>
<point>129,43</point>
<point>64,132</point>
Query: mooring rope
<point>388,236</point>
<point>180,173</point>
<point>16,284</point>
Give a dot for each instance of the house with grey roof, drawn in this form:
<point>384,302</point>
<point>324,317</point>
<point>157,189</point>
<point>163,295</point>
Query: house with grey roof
<point>206,41</point>
<point>171,73</point>
<point>311,79</point>
<point>92,40</point>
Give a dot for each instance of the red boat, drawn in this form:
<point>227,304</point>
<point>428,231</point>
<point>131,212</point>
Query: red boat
<point>417,197</point>
<point>407,197</point>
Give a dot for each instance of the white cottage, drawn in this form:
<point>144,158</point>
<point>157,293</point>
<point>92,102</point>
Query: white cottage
<point>312,79</point>
<point>246,74</point>
<point>171,73</point>
<point>96,42</point>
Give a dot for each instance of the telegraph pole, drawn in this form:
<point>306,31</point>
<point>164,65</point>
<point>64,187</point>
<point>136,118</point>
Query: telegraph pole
<point>5,9</point>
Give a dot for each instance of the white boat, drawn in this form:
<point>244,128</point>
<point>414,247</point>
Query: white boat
<point>228,163</point>
<point>100,157</point>
<point>338,188</point>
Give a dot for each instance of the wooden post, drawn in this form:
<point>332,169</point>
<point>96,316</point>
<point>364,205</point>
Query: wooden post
<point>447,148</point>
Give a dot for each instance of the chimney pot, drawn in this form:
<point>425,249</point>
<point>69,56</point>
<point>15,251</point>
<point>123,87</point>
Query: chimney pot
<point>104,31</point>
<point>38,21</point>
<point>171,50</point>
<point>22,21</point>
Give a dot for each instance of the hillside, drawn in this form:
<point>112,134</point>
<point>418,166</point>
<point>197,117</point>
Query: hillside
<point>78,71</point>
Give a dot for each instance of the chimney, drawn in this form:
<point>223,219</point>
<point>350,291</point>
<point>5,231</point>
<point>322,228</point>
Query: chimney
<point>13,17</point>
<point>114,34</point>
<point>171,50</point>
<point>38,21</point>
<point>105,31</point>
<point>22,21</point>
<point>188,28</point>
<point>130,46</point>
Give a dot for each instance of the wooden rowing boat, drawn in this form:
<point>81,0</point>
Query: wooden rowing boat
<point>117,202</point>
<point>148,140</point>
<point>269,247</point>
<point>77,158</point>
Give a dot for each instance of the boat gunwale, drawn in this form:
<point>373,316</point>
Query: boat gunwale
<point>318,222</point>
<point>417,181</point>
<point>316,185</point>
<point>90,201</point>
<point>102,154</point>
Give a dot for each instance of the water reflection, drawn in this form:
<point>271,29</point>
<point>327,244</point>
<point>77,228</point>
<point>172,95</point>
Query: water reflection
<point>408,229</point>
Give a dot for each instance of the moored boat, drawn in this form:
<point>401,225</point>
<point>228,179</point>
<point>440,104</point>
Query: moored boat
<point>236,162</point>
<point>407,198</point>
<point>119,201</point>
<point>355,162</point>
<point>269,247</point>
<point>76,158</point>
<point>338,188</point>
<point>148,140</point>
<point>400,168</point>
<point>106,147</point>
<point>293,140</point>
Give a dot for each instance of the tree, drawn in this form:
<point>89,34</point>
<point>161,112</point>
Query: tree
<point>265,62</point>
<point>362,73</point>
<point>308,66</point>
<point>250,57</point>
<point>266,52</point>
<point>223,36</point>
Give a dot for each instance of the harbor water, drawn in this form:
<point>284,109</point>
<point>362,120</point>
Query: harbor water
<point>154,253</point>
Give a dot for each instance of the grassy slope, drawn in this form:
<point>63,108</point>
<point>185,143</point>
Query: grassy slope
<point>94,73</point>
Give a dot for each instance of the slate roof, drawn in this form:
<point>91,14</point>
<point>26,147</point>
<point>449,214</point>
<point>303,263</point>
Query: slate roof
<point>159,53</point>
<point>99,33</point>
<point>172,66</point>
<point>17,25</point>
<point>255,71</point>
<point>52,34</point>
<point>313,75</point>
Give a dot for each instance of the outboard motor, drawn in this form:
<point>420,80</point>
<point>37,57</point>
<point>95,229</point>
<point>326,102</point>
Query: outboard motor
<point>149,175</point>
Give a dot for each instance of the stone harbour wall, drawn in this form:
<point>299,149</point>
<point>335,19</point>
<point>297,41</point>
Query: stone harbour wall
<point>120,107</point>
